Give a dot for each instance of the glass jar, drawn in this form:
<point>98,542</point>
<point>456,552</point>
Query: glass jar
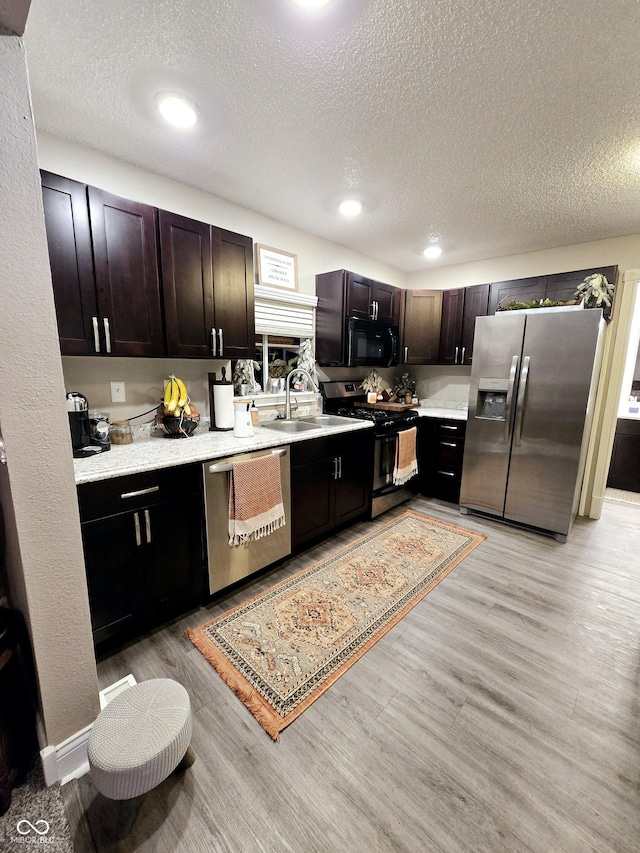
<point>120,432</point>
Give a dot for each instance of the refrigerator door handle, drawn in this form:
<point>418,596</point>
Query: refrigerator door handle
<point>517,438</point>
<point>512,382</point>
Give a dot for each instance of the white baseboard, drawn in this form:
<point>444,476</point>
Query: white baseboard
<point>66,760</point>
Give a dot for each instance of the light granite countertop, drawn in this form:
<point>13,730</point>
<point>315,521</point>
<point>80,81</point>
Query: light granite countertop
<point>151,453</point>
<point>443,409</point>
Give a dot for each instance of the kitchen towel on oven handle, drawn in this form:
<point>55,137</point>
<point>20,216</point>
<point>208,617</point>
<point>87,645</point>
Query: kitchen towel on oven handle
<point>406,465</point>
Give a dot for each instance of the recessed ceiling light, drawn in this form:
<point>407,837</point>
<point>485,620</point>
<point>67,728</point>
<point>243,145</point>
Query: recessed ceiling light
<point>313,4</point>
<point>350,207</point>
<point>177,110</point>
<point>432,252</point>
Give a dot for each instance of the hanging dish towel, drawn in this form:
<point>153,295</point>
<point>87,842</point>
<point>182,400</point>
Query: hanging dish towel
<point>255,499</point>
<point>406,463</point>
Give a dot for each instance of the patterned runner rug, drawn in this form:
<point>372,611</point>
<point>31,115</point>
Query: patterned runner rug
<point>282,649</point>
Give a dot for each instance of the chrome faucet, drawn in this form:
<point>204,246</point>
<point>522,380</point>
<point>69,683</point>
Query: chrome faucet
<point>287,405</point>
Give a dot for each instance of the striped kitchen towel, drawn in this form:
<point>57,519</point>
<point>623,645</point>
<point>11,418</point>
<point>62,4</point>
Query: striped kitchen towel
<point>406,465</point>
<point>255,499</point>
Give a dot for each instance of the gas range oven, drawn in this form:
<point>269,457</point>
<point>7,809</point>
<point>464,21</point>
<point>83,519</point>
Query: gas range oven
<point>345,398</point>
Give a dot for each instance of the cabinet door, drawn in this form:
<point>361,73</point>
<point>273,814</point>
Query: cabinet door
<point>187,285</point>
<point>172,533</point>
<point>126,264</point>
<point>624,472</point>
<point>312,487</point>
<point>353,488</point>
<point>114,562</point>
<point>66,217</point>
<point>476,301</point>
<point>360,296</point>
<point>422,314</point>
<point>451,326</point>
<point>387,300</point>
<point>519,290</point>
<point>233,294</point>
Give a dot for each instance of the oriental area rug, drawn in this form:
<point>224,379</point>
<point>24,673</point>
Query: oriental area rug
<point>282,649</point>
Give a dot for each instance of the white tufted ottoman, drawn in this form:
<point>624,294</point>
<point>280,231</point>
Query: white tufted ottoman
<point>140,738</point>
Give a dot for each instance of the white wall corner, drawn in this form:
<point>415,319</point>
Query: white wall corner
<point>67,760</point>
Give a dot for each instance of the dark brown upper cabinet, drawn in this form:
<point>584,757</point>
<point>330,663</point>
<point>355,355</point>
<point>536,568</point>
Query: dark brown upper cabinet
<point>233,296</point>
<point>207,277</point>
<point>460,307</point>
<point>421,326</point>
<point>66,216</point>
<point>370,300</point>
<point>104,269</point>
<point>187,281</point>
<point>125,252</point>
<point>109,300</point>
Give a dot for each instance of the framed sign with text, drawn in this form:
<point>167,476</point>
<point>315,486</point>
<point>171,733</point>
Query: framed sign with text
<point>277,268</point>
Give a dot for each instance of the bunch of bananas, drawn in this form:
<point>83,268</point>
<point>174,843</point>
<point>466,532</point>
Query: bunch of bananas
<point>176,399</point>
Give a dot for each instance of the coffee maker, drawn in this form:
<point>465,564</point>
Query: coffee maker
<point>78,411</point>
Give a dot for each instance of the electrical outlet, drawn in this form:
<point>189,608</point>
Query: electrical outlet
<point>118,392</point>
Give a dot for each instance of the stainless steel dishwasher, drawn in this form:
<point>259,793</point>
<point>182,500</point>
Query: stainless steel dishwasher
<point>229,564</point>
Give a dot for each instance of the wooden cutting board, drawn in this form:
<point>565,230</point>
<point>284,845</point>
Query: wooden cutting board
<point>390,407</point>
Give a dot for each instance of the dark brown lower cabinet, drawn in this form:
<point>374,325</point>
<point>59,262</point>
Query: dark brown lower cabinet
<point>440,452</point>
<point>143,550</point>
<point>624,472</point>
<point>331,481</point>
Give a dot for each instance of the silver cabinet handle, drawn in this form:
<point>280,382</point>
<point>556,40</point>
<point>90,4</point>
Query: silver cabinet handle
<point>512,381</point>
<point>220,354</point>
<point>214,351</point>
<point>406,354</point>
<point>107,334</point>
<point>517,437</point>
<point>140,492</point>
<point>447,473</point>
<point>96,334</point>
<point>448,426</point>
<point>335,467</point>
<point>147,524</point>
<point>136,522</point>
<point>377,304</point>
<point>339,467</point>
<point>462,355</point>
<point>448,444</point>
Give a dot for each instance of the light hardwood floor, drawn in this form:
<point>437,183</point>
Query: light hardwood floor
<point>501,714</point>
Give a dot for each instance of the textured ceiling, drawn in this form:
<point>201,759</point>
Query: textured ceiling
<point>497,127</point>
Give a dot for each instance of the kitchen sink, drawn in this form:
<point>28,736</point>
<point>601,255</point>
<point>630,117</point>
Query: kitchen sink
<point>290,425</point>
<point>328,420</point>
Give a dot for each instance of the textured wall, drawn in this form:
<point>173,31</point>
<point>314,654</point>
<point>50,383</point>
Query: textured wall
<point>623,251</point>
<point>45,564</point>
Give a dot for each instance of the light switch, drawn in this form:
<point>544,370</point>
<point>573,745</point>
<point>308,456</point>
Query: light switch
<point>117,392</point>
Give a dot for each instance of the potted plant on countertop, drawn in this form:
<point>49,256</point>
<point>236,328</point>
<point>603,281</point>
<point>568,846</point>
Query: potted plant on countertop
<point>372,383</point>
<point>405,388</point>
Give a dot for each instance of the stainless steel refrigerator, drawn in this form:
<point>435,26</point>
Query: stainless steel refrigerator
<point>530,409</point>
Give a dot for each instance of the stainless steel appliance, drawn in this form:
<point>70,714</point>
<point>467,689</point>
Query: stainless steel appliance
<point>371,343</point>
<point>343,398</point>
<point>530,407</point>
<point>228,564</point>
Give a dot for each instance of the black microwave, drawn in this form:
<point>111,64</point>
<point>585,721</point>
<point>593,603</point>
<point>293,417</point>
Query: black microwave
<point>371,343</point>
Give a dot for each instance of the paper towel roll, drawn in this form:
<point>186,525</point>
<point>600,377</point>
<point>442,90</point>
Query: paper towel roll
<point>223,405</point>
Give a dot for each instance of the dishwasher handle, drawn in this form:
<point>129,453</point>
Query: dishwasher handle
<point>228,466</point>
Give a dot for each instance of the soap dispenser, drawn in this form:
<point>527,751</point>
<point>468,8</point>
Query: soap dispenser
<point>242,426</point>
